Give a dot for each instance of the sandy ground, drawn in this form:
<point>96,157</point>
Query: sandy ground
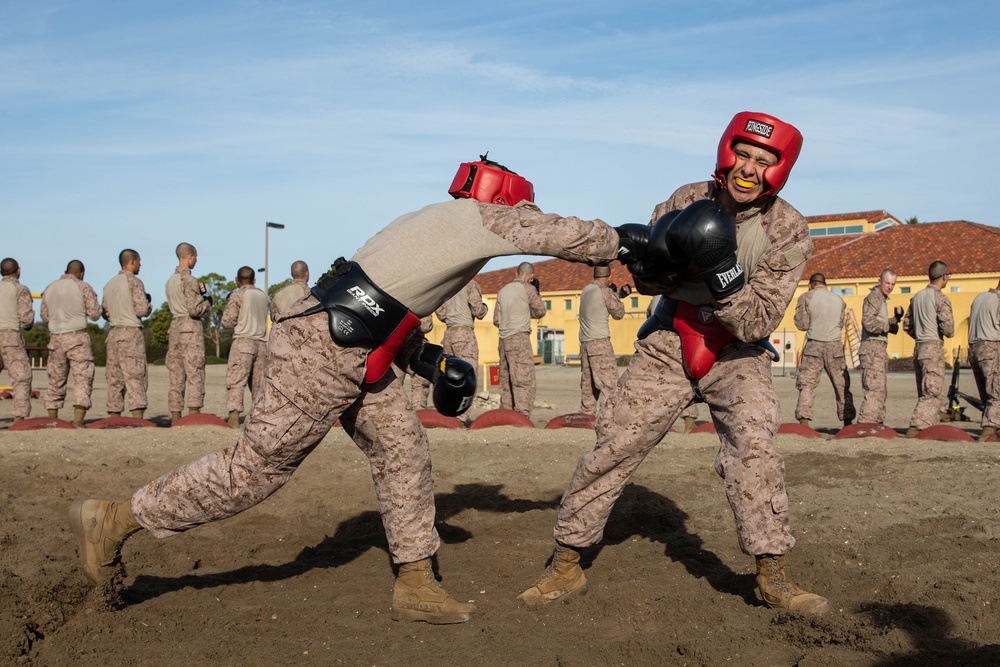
<point>901,535</point>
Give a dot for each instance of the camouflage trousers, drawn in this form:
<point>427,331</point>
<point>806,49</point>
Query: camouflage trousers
<point>245,366</point>
<point>309,382</point>
<point>984,356</point>
<point>928,362</point>
<point>14,359</point>
<point>598,373</point>
<point>69,352</point>
<point>186,364</point>
<point>874,374</point>
<point>817,357</point>
<point>640,411</point>
<point>126,372</point>
<point>461,342</point>
<point>517,374</point>
<point>420,389</point>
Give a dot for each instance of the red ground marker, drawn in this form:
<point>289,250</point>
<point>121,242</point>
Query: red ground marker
<point>434,419</point>
<point>121,422</point>
<point>866,431</point>
<point>945,432</point>
<point>707,427</point>
<point>500,417</point>
<point>795,428</point>
<point>573,420</point>
<point>38,423</point>
<point>201,419</point>
<point>6,395</point>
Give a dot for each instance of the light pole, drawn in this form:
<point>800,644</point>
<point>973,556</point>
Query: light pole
<point>268,226</point>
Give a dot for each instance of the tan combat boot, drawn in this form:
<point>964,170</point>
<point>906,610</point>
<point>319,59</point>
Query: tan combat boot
<point>194,411</point>
<point>912,432</point>
<point>138,413</point>
<point>780,593</point>
<point>101,527</point>
<point>234,418</point>
<point>17,419</point>
<point>79,412</point>
<point>562,578</point>
<point>804,422</point>
<point>689,423</point>
<point>174,416</point>
<point>53,413</point>
<point>987,432</point>
<point>417,596</point>
<point>114,414</point>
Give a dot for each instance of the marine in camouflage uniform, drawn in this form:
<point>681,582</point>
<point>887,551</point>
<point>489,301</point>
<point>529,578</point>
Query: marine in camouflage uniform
<point>984,356</point>
<point>822,315</point>
<point>246,314</point>
<point>929,320</point>
<point>772,246</point>
<point>67,304</point>
<point>598,365</point>
<point>421,259</point>
<point>293,292</point>
<point>459,315</point>
<point>876,325</point>
<point>16,314</point>
<point>123,301</point>
<point>186,337</point>
<point>517,303</point>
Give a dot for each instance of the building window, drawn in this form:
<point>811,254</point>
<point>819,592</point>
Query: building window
<point>548,304</point>
<point>854,229</point>
<point>635,302</point>
<point>834,231</point>
<point>569,304</point>
<point>904,290</point>
<point>817,232</point>
<point>843,291</point>
<point>956,288</point>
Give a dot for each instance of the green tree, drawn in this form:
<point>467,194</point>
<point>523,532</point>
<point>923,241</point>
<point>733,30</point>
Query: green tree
<point>99,342</point>
<point>912,220</point>
<point>219,289</point>
<point>273,289</point>
<point>158,326</point>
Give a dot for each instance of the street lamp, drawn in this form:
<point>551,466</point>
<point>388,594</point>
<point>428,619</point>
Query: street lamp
<point>268,226</point>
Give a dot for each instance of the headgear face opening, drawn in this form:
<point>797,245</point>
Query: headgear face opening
<point>766,131</point>
<point>490,182</point>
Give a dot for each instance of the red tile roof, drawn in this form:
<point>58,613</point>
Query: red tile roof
<point>966,247</point>
<point>870,216</point>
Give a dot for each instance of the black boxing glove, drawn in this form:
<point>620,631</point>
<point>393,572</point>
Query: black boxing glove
<point>149,298</point>
<point>454,380</point>
<point>632,242</point>
<point>624,291</point>
<point>704,234</point>
<point>208,297</point>
<point>897,312</point>
<point>537,285</point>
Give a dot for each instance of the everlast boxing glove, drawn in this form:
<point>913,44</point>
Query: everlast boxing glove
<point>704,234</point>
<point>647,256</point>
<point>454,380</point>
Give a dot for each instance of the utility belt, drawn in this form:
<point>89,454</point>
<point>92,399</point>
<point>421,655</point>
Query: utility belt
<point>362,314</point>
<point>703,336</point>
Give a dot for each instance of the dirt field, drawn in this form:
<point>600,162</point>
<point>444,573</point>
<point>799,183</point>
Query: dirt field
<point>901,535</point>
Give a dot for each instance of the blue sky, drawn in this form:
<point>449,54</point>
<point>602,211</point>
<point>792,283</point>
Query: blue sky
<point>143,124</point>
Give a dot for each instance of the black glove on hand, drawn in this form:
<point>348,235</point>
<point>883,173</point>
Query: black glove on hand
<point>454,380</point>
<point>208,297</point>
<point>632,242</point>
<point>537,285</point>
<point>149,298</point>
<point>897,312</point>
<point>704,233</point>
<point>624,291</point>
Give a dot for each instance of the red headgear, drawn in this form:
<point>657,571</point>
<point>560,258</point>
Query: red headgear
<point>760,129</point>
<point>490,182</point>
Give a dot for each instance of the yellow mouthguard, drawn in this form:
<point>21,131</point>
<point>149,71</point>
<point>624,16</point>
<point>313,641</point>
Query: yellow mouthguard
<point>744,184</point>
